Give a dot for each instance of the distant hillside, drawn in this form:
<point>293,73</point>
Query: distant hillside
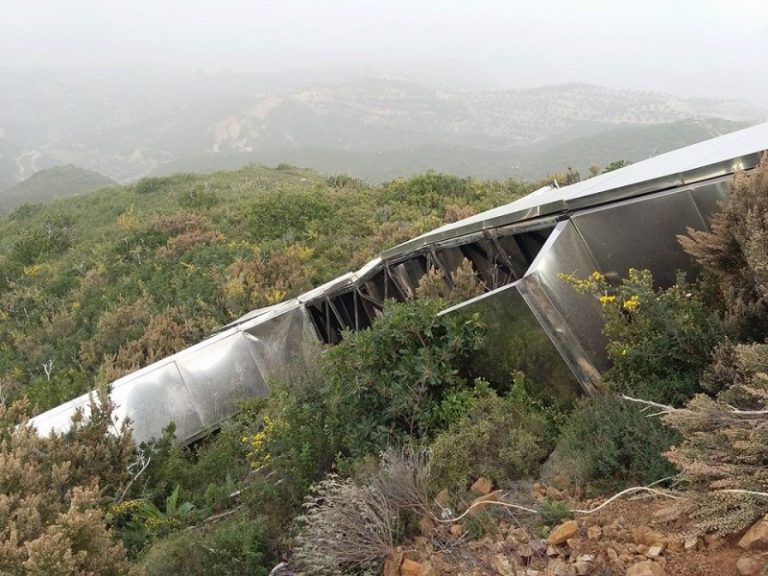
<point>374,128</point>
<point>579,150</point>
<point>47,185</point>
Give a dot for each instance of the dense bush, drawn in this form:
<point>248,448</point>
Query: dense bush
<point>735,253</point>
<point>388,383</point>
<point>659,341</point>
<point>609,443</point>
<point>52,492</point>
<point>233,547</point>
<point>501,439</point>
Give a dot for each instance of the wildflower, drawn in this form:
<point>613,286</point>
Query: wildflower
<point>606,299</point>
<point>632,303</point>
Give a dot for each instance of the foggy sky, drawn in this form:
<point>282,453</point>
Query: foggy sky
<point>689,47</point>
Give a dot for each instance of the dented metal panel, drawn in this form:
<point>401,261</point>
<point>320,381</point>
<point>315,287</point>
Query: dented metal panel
<point>154,398</point>
<point>220,375</point>
<point>573,321</point>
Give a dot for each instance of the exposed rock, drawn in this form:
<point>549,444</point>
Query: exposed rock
<point>481,486</point>
<point>690,543</point>
<point>392,564</point>
<point>646,568</point>
<point>647,536</point>
<point>502,565</point>
<point>563,532</point>
<point>412,568</point>
<point>749,565</point>
<point>655,551</point>
<point>553,493</point>
<point>584,564</point>
<point>756,538</point>
<point>666,515</point>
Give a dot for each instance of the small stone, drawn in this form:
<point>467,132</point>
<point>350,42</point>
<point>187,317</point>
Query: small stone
<point>646,568</point>
<point>756,538</point>
<point>666,515</point>
<point>655,551</point>
<point>690,543</point>
<point>552,551</point>
<point>481,486</point>
<point>594,532</point>
<point>456,530</point>
<point>502,565</point>
<point>749,565</point>
<point>676,544</point>
<point>583,568</point>
<point>392,564</point>
<point>525,551</point>
<point>554,493</point>
<point>412,568</point>
<point>612,554</point>
<point>647,536</point>
<point>564,531</point>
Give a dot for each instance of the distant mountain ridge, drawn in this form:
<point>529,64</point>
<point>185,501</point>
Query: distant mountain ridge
<point>53,183</point>
<point>228,121</point>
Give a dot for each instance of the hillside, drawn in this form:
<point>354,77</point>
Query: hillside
<point>373,128</point>
<point>96,285</point>
<point>53,183</point>
<point>387,453</point>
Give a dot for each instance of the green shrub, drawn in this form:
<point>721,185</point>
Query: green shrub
<point>236,546</point>
<point>501,439</point>
<point>389,382</point>
<point>552,512</point>
<point>659,341</point>
<point>610,443</point>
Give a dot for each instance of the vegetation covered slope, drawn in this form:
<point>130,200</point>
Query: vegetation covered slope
<point>97,285</point>
<point>47,185</point>
<point>367,459</point>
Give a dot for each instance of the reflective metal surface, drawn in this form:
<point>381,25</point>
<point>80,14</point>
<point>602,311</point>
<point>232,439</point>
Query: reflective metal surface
<point>641,233</point>
<point>573,321</point>
<point>153,398</point>
<point>515,341</point>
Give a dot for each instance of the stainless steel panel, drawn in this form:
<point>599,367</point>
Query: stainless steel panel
<point>152,399</point>
<point>59,419</point>
<point>219,374</point>
<point>641,233</point>
<point>516,341</point>
<point>281,342</point>
<point>573,321</point>
<point>708,197</point>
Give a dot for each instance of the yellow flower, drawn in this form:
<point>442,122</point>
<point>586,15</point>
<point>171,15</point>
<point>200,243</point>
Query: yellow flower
<point>605,299</point>
<point>632,303</point>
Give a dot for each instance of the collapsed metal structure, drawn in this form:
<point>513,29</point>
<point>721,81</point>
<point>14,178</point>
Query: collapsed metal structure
<point>628,218</point>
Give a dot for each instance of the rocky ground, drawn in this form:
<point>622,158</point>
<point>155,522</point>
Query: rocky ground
<point>640,536</point>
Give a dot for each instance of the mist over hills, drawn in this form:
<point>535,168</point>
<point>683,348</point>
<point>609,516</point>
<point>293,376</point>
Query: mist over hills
<point>373,128</point>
